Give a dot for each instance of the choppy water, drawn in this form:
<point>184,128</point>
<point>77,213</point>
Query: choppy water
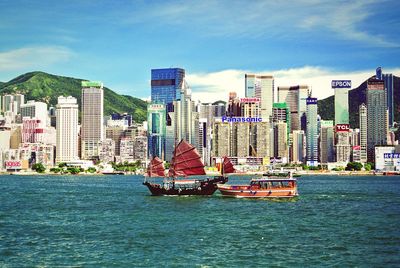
<point>111,221</point>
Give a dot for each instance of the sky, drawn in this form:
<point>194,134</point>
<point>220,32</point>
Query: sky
<point>119,42</point>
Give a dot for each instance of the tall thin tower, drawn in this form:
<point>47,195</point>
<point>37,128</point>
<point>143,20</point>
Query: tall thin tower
<point>92,118</point>
<point>67,129</point>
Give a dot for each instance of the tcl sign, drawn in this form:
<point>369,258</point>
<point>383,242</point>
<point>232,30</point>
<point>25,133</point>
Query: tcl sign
<point>342,128</point>
<point>12,164</point>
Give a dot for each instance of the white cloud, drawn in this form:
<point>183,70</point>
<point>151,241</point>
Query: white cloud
<point>210,87</point>
<point>33,57</point>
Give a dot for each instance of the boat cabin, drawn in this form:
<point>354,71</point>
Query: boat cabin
<point>272,183</point>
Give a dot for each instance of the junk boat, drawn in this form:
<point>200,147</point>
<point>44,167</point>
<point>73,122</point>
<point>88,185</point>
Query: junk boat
<point>276,185</point>
<point>186,162</point>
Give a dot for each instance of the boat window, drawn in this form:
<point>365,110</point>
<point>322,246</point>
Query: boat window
<point>276,184</point>
<point>286,184</point>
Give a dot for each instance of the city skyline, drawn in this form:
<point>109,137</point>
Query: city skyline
<point>120,42</point>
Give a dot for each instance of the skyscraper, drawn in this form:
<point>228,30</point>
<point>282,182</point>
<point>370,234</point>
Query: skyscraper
<point>67,129</point>
<point>184,122</point>
<point>281,113</point>
<point>327,142</point>
<point>261,86</point>
<point>376,116</point>
<point>312,132</point>
<point>281,141</point>
<point>363,132</point>
<point>92,130</point>
<point>298,147</point>
<point>341,88</point>
<point>388,82</point>
<point>156,123</point>
<point>166,85</point>
<point>295,97</point>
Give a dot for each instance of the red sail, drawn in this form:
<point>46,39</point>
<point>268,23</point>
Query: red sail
<point>186,161</point>
<point>227,166</point>
<point>156,168</point>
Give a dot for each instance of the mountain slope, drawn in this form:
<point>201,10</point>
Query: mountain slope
<point>357,96</point>
<point>46,87</point>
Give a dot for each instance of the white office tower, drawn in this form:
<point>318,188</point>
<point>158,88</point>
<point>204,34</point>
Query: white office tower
<point>35,110</point>
<point>184,123</point>
<point>67,129</point>
<point>261,86</point>
<point>92,129</point>
<point>363,115</point>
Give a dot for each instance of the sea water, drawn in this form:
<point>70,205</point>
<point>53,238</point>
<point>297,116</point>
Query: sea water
<point>112,221</point>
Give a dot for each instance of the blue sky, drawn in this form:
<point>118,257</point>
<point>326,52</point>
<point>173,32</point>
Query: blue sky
<point>119,42</point>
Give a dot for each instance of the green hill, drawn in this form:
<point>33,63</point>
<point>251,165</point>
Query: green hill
<point>357,96</point>
<point>46,87</point>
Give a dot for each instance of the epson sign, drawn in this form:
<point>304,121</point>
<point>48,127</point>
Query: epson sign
<point>341,83</point>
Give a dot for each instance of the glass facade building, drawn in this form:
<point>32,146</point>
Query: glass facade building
<point>156,123</point>
<point>166,84</point>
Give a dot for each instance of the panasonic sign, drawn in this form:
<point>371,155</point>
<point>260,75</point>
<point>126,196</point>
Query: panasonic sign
<point>241,119</point>
<point>341,84</point>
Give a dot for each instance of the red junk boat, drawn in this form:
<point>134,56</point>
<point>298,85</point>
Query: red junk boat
<point>186,161</point>
<point>269,186</point>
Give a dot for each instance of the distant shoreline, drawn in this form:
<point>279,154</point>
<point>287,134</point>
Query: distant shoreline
<point>301,173</point>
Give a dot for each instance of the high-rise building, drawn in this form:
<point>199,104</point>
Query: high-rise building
<point>295,98</point>
<point>341,88</point>
<point>233,105</point>
<point>298,147</point>
<point>184,123</point>
<point>32,130</point>
<point>208,112</point>
<point>67,129</point>
<point>281,113</point>
<point>389,86</point>
<point>261,86</point>
<point>156,124</point>
<point>250,107</point>
<point>166,85</point>
<point>376,116</point>
<point>12,103</point>
<point>281,141</point>
<point>312,132</point>
<point>327,152</point>
<point>92,129</point>
<point>363,117</point>
<point>343,146</point>
<point>222,139</point>
<point>35,110</point>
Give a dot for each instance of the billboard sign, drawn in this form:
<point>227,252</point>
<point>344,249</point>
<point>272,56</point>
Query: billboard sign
<point>356,148</point>
<point>13,164</point>
<point>241,119</point>
<point>155,107</point>
<point>247,100</point>
<point>391,155</point>
<point>342,128</point>
<point>341,83</point>
<point>312,101</point>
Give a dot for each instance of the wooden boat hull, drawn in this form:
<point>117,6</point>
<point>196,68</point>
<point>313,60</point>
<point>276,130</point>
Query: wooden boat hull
<point>205,187</point>
<point>257,193</point>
